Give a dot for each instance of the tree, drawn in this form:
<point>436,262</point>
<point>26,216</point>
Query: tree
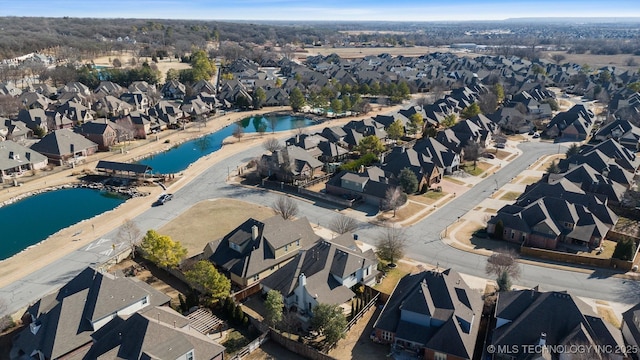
<point>393,199</point>
<point>558,58</point>
<point>238,132</point>
<point>328,320</point>
<point>336,106</point>
<point>39,132</point>
<point>162,250</point>
<point>574,149</point>
<point>395,130</point>
<point>415,123</point>
<point>285,207</point>
<point>391,243</point>
<point>274,305</point>
<point>498,90</point>
<point>205,276</point>
<point>117,63</point>
<point>625,249</point>
<point>296,99</point>
<point>259,97</point>
<point>470,111</point>
<point>488,102</point>
<point>343,224</point>
<point>129,233</point>
<point>449,120</point>
<point>553,168</point>
<point>472,152</point>
<point>272,145</point>
<point>370,145</point>
<point>408,181</point>
<point>504,265</point>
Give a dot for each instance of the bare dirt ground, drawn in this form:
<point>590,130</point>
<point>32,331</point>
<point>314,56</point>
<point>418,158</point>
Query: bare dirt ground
<point>125,58</point>
<point>215,218</point>
<point>357,345</point>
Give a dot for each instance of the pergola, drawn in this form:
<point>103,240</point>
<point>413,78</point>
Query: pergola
<point>123,169</point>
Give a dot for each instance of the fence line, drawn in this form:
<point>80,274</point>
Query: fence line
<point>362,312</point>
<point>255,344</point>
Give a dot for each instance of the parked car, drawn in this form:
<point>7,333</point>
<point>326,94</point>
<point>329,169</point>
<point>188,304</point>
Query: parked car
<point>500,145</point>
<point>536,135</point>
<point>488,155</point>
<point>163,199</point>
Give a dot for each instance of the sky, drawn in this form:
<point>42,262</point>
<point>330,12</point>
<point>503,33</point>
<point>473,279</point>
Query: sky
<point>321,10</point>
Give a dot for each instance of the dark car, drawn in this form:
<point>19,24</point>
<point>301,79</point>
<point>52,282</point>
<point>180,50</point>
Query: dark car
<point>163,199</point>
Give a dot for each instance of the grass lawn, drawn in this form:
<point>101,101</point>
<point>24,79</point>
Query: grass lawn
<point>477,170</point>
<point>608,248</point>
<point>510,196</point>
<point>429,197</point>
<point>609,316</point>
<point>393,276</point>
<point>501,154</point>
<point>529,180</point>
<point>407,211</point>
<point>235,341</point>
<point>543,166</point>
<point>210,220</point>
<point>464,234</point>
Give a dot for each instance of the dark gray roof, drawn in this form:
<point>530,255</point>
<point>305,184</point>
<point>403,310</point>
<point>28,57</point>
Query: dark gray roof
<point>273,233</point>
<point>60,142</point>
<point>118,166</point>
<point>13,154</point>
<point>560,316</point>
<point>444,297</point>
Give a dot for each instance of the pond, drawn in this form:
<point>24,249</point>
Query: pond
<point>31,220</point>
<point>181,156</point>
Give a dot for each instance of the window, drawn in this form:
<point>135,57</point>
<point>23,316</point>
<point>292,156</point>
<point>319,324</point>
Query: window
<point>297,242</point>
<point>256,277</point>
<point>513,234</point>
<point>190,355</point>
<point>387,336</point>
<point>439,356</point>
<point>145,300</point>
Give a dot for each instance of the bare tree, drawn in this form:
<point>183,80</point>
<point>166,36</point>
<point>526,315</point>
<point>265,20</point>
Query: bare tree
<point>6,321</point>
<point>472,152</point>
<point>391,243</point>
<point>504,264</point>
<point>393,199</point>
<point>343,224</point>
<point>238,132</point>
<point>558,58</point>
<point>271,145</point>
<point>130,234</point>
<point>9,106</point>
<point>285,207</point>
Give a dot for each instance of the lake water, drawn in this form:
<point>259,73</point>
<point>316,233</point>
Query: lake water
<point>181,156</point>
<point>31,220</point>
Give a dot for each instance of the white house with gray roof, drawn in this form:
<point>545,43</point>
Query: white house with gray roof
<point>15,159</point>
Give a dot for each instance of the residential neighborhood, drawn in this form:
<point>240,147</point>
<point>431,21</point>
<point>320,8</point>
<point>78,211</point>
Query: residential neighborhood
<point>466,202</point>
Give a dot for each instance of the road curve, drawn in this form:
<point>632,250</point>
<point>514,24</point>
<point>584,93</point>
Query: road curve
<point>424,244</point>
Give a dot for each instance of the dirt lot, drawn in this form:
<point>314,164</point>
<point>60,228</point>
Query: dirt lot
<point>215,219</point>
<point>357,345</point>
<point>125,58</point>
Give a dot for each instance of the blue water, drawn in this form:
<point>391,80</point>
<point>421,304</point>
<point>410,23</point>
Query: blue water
<point>29,221</point>
<point>181,156</point>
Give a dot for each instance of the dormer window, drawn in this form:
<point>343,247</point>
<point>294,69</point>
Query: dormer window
<point>189,355</point>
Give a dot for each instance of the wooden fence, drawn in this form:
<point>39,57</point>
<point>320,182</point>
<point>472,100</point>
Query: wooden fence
<point>299,348</point>
<point>255,344</point>
<point>360,314</point>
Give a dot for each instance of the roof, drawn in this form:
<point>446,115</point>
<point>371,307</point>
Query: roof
<point>66,316</point>
<point>158,333</point>
<point>13,155</point>
<point>259,254</point>
<point>63,142</point>
<point>118,166</point>
<point>561,317</point>
<point>321,263</point>
<point>443,297</point>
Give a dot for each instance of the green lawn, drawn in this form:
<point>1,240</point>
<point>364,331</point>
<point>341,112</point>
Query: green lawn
<point>510,196</point>
<point>392,278</point>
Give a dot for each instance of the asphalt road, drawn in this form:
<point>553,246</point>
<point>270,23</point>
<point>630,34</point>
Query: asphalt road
<point>424,237</point>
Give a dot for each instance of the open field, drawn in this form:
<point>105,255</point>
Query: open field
<point>215,218</point>
<point>125,58</point>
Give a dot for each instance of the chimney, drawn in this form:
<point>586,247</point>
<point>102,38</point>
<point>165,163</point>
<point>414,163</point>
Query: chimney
<point>254,232</point>
<point>27,155</point>
<point>543,339</point>
<point>302,280</point>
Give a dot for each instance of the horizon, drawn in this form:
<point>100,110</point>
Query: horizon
<point>330,10</point>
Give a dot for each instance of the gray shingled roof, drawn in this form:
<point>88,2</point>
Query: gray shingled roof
<point>13,154</point>
<point>60,143</point>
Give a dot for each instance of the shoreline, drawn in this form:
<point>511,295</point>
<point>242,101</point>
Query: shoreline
<point>59,245</point>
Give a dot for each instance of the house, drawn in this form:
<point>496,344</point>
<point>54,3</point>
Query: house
<point>63,324</point>
<point>549,222</point>
<point>64,145</point>
<point>631,328</point>
<point>75,111</point>
<point>34,118</point>
<point>139,100</point>
<point>557,320</point>
<point>15,159</point>
<point>255,249</point>
<point>439,154</point>
<point>432,314</point>
<point>399,158</point>
<point>14,130</point>
<point>173,89</point>
<point>156,333</point>
<point>576,123</point>
<point>623,131</point>
<point>100,133</point>
<point>110,105</point>
<point>370,186</point>
<point>291,164</point>
<point>323,272</point>
<point>592,181</point>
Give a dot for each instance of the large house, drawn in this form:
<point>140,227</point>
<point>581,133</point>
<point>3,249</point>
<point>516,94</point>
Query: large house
<point>432,314</point>
<point>323,273</point>
<point>64,145</point>
<point>255,249</point>
<point>555,320</point>
<point>15,158</point>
